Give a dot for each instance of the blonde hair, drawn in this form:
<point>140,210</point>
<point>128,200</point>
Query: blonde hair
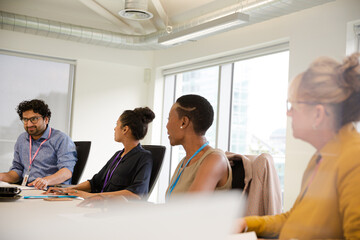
<point>329,82</point>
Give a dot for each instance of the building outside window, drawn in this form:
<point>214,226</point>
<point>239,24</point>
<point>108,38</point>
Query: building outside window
<point>258,119</point>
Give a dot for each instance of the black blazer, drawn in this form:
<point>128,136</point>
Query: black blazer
<point>132,173</point>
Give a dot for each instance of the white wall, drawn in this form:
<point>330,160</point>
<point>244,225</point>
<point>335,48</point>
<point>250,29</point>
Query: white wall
<point>107,91</point>
<point>311,33</point>
<point>107,82</point>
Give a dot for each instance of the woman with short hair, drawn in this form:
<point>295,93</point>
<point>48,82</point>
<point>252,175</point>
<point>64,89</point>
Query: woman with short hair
<point>203,169</point>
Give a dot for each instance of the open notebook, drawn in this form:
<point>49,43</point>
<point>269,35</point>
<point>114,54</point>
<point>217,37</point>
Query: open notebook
<point>209,217</point>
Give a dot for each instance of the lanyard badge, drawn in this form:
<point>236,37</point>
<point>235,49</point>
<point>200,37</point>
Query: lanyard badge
<point>31,159</point>
<point>109,174</point>
<point>173,184</point>
<point>26,177</point>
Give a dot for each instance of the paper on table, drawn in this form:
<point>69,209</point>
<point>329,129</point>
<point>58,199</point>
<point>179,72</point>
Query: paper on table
<point>243,236</point>
<point>5,184</point>
<point>25,187</point>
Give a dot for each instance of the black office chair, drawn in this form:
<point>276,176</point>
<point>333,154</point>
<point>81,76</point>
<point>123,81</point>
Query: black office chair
<point>158,153</point>
<point>238,175</point>
<point>82,149</point>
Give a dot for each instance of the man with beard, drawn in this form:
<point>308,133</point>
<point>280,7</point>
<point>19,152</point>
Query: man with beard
<point>42,155</point>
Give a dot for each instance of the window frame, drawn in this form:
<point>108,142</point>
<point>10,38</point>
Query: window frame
<point>225,64</point>
<point>71,79</point>
<point>353,41</point>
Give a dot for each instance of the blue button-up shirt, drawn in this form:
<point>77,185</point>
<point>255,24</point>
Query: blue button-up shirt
<point>57,152</point>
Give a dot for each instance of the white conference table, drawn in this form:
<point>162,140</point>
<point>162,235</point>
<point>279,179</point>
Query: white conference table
<point>194,217</point>
<point>21,205</point>
<point>37,218</point>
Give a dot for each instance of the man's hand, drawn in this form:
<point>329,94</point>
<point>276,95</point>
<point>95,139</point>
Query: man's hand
<point>60,176</point>
<point>39,183</point>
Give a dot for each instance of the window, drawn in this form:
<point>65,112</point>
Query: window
<point>357,32</point>
<point>353,41</point>
<point>258,116</point>
<point>25,77</point>
<point>248,96</point>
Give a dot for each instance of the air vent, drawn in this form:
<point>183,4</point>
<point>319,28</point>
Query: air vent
<point>136,10</point>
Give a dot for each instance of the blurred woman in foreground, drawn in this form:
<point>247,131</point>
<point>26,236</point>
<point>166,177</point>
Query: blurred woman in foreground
<point>324,104</point>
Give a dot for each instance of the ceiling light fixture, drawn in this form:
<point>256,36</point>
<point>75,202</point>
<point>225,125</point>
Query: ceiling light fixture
<point>207,28</point>
<point>247,8</point>
<point>136,10</point>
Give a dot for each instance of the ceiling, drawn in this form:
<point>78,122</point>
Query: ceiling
<point>98,22</point>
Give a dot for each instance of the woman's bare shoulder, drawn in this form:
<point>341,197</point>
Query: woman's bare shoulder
<point>216,156</point>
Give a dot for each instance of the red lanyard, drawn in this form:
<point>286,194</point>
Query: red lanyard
<point>30,143</point>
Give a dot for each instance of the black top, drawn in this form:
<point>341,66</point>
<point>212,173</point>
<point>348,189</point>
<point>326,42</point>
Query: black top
<point>132,173</point>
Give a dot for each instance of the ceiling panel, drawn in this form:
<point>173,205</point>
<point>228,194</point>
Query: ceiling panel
<point>101,17</point>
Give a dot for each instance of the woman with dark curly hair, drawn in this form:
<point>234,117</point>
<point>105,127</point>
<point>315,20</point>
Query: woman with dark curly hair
<point>324,104</point>
<point>128,172</point>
